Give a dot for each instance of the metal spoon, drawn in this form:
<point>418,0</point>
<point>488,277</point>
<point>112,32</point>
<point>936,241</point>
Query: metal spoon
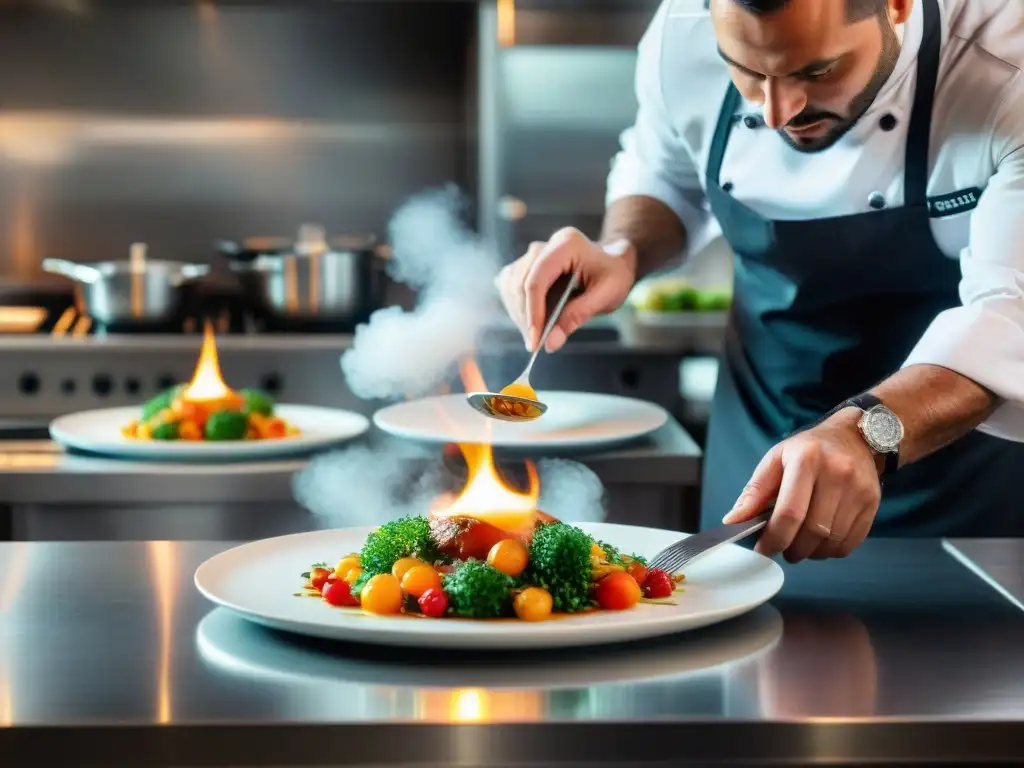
<point>508,407</point>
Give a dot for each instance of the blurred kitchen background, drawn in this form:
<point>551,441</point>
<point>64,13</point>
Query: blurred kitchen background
<point>174,125</point>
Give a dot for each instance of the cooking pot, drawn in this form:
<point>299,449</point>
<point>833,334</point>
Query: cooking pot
<point>138,290</point>
<point>312,279</point>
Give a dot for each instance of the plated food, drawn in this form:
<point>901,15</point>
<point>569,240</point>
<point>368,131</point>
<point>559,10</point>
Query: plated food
<point>175,414</point>
<point>207,409</point>
<point>258,581</point>
<point>463,567</point>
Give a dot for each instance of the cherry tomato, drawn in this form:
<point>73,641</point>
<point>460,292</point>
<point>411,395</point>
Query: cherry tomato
<point>339,593</point>
<point>508,556</point>
<point>275,427</point>
<point>433,603</point>
<point>420,579</point>
<point>191,411</point>
<point>617,591</point>
<point>638,571</point>
<point>382,594</point>
<point>346,564</point>
<point>318,577</point>
<point>352,575</point>
<point>533,604</point>
<point>659,585</point>
<point>402,567</point>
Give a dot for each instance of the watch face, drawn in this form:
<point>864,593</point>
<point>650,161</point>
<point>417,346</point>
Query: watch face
<point>882,429</point>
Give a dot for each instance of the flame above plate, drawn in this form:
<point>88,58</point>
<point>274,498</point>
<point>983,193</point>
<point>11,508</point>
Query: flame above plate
<point>486,496</point>
<point>207,382</point>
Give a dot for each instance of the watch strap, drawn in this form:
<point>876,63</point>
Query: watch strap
<point>866,402</point>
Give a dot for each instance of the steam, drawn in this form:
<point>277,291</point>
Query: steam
<point>570,491</point>
<point>366,485</point>
<point>411,354</point>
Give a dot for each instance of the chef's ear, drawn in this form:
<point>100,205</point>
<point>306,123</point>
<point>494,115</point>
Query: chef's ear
<point>899,10</point>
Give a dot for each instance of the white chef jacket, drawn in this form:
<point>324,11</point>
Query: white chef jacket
<point>977,141</point>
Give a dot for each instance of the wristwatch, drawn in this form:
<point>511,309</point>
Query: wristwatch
<point>881,429</point>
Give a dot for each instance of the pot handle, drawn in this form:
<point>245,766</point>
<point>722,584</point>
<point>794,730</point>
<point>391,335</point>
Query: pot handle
<point>79,272</point>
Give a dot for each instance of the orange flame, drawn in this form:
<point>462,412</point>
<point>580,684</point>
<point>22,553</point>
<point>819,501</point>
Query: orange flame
<point>207,384</point>
<point>486,496</point>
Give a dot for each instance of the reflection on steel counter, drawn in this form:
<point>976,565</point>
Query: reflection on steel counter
<point>898,653</point>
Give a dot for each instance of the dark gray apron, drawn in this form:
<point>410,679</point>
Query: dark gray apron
<point>824,310</point>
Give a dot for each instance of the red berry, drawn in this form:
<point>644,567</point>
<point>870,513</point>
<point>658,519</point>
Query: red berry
<point>318,577</point>
<point>659,585</point>
<point>433,603</point>
<point>339,593</point>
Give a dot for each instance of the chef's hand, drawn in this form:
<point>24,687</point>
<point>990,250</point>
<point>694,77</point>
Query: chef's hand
<point>825,481</point>
<point>606,274</point>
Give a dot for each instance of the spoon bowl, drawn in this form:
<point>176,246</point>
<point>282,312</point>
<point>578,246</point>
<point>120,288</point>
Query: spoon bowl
<point>506,407</point>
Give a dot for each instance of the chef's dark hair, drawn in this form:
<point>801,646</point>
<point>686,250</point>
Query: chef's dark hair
<point>856,10</point>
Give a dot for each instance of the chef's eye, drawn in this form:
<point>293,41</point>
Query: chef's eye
<point>820,74</point>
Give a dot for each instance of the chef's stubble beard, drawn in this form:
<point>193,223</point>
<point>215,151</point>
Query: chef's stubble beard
<point>861,102</point>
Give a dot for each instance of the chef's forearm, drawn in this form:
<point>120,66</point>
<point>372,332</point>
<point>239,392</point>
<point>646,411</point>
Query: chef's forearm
<point>652,227</point>
<point>936,405</point>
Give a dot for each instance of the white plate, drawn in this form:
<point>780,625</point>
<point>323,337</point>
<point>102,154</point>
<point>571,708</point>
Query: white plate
<point>259,580</point>
<point>240,647</point>
<point>573,420</point>
<point>100,432</point>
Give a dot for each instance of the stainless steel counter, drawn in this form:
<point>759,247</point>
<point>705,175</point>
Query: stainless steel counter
<point>109,656</point>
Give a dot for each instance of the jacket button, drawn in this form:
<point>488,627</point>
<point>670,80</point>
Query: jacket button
<point>887,122</point>
<point>727,187</point>
<point>876,200</point>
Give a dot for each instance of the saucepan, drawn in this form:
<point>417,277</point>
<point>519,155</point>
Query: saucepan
<point>313,278</point>
<point>138,290</point>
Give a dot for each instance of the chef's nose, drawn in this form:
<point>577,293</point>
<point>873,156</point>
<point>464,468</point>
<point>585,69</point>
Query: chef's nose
<point>782,102</point>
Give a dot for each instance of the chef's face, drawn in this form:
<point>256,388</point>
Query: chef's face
<point>814,70</point>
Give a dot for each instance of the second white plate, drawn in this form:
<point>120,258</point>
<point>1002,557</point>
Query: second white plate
<point>574,420</point>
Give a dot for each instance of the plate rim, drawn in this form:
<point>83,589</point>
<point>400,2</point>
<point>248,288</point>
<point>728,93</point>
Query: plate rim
<point>228,449</point>
<point>521,638</point>
<point>502,441</point>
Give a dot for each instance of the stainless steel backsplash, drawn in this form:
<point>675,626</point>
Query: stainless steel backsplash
<point>175,124</point>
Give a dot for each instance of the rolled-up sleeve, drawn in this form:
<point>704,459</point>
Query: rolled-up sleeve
<point>984,338</point>
<point>653,160</point>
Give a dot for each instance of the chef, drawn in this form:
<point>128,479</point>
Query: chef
<point>864,159</point>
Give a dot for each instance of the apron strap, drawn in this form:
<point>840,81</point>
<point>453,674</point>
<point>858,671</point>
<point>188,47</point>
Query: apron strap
<point>722,131</point>
<point>918,157</point>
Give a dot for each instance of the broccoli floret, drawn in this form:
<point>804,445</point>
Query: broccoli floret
<point>405,537</point>
<point>560,563</point>
<point>477,591</point>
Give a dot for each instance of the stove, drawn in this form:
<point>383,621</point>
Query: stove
<point>60,314</point>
